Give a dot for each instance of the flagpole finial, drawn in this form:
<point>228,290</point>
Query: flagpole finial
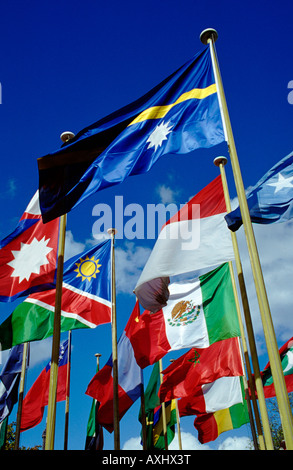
<point>219,160</point>
<point>67,135</point>
<point>207,34</point>
<point>112,231</point>
<point>98,355</point>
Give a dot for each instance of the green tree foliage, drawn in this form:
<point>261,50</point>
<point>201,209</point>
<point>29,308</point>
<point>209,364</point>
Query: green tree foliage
<point>10,439</point>
<point>275,422</point>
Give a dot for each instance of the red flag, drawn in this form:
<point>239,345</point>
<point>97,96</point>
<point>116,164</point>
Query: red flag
<point>28,256</point>
<point>201,366</point>
<point>286,356</point>
<point>196,237</point>
<point>37,397</point>
<point>129,380</point>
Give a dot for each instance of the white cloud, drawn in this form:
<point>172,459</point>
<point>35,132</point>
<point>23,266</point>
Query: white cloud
<point>72,247</point>
<point>129,262</point>
<point>40,351</point>
<point>236,443</point>
<point>132,444</point>
<point>274,244</point>
<point>167,195</point>
<point>189,442</point>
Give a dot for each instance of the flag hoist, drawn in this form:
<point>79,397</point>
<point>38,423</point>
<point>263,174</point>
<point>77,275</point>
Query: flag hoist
<point>209,36</point>
<point>265,437</point>
<point>51,416</point>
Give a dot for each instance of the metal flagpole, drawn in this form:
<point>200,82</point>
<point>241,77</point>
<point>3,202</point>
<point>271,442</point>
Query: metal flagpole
<point>245,359</point>
<point>163,410</point>
<point>268,442</point>
<point>20,394</point>
<point>112,232</point>
<point>67,391</point>
<point>209,36</point>
<point>51,414</point>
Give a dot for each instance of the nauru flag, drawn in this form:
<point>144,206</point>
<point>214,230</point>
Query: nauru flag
<point>129,381</point>
<point>195,238</point>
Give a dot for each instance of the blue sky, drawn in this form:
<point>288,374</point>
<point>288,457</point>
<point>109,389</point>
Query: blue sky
<point>66,64</point>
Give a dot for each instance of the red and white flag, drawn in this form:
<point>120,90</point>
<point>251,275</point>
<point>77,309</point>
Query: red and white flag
<point>28,256</point>
<point>195,238</point>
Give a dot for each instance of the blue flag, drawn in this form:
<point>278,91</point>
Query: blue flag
<point>271,199</point>
<point>9,381</point>
<point>179,115</point>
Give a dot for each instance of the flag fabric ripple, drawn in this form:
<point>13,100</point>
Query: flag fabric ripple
<point>178,116</point>
<point>271,199</point>
<point>28,256</point>
<point>129,381</point>
<point>86,300</point>
<point>37,397</point>
<point>195,238</point>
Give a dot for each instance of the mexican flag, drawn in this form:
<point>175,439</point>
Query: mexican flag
<point>198,314</point>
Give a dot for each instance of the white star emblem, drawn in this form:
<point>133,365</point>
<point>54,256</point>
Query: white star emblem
<point>30,258</point>
<point>158,135</point>
<point>282,183</point>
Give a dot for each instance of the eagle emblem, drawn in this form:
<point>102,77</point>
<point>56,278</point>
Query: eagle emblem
<point>184,313</point>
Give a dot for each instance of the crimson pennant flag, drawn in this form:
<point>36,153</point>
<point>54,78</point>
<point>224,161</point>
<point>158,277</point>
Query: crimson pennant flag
<point>37,397</point>
<point>201,366</point>
<point>286,355</point>
<point>28,256</point>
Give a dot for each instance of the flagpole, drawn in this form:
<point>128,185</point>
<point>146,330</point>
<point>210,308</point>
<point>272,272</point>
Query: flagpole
<point>51,414</point>
<point>266,440</point>
<point>112,232</point>
<point>163,409</point>
<point>67,391</point>
<point>143,418</point>
<point>20,394</point>
<point>245,360</point>
<point>178,419</point>
<point>209,36</point>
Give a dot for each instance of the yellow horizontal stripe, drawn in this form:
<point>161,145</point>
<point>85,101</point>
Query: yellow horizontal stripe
<point>157,112</point>
<point>223,419</point>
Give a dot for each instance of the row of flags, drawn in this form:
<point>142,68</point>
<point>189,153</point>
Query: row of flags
<point>95,302</point>
<point>178,116</point>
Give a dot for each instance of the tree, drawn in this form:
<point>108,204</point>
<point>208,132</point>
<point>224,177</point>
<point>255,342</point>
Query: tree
<point>275,422</point>
<point>10,439</point>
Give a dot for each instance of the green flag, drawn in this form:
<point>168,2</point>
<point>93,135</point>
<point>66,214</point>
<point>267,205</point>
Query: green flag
<point>153,411</point>
<point>3,431</point>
